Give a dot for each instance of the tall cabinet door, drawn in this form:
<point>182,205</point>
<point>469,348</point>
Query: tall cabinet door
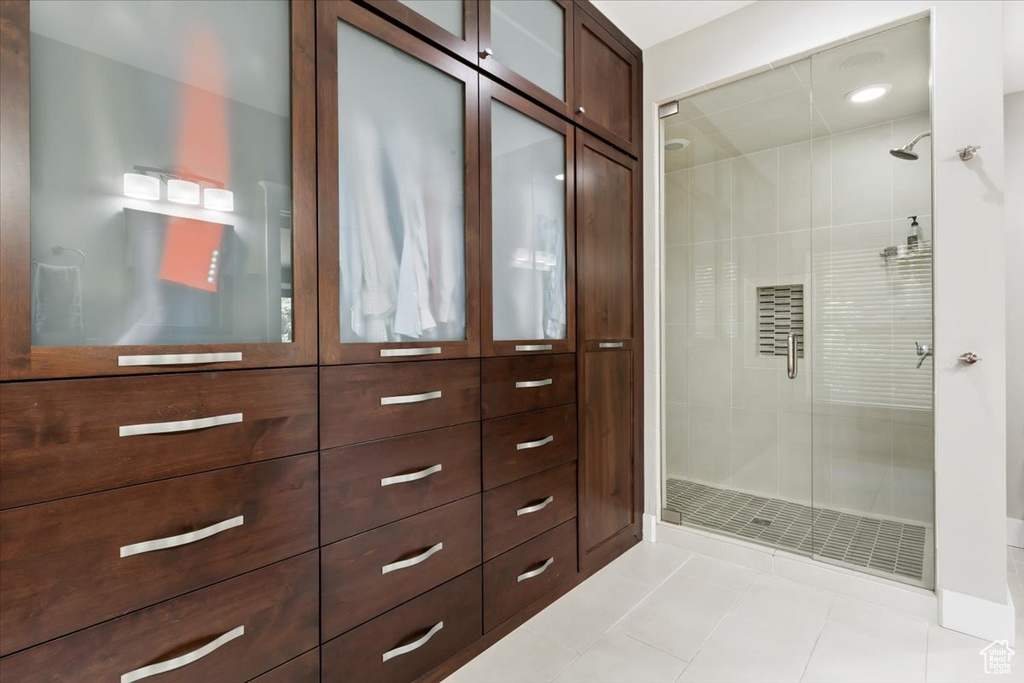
<point>157,201</point>
<point>607,83</point>
<point>527,226</point>
<point>610,351</point>
<point>398,188</point>
<point>528,44</point>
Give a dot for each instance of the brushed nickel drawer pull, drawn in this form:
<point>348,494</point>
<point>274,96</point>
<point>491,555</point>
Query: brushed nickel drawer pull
<point>416,351</point>
<point>533,347</point>
<point>181,539</point>
<point>412,476</point>
<point>412,561</point>
<point>414,645</point>
<point>183,660</point>
<point>180,358</point>
<point>535,444</point>
<point>409,398</point>
<point>532,384</point>
<point>179,425</point>
<point>609,345</point>
<point>535,572</point>
<point>535,508</point>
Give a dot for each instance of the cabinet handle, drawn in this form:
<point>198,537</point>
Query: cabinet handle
<point>533,347</point>
<point>412,561</point>
<point>535,444</point>
<point>581,110</point>
<point>414,645</point>
<point>181,539</point>
<point>180,359</point>
<point>409,398</point>
<point>417,351</point>
<point>486,52</point>
<point>183,660</point>
<point>532,384</point>
<point>609,345</point>
<point>535,572</point>
<point>534,508</point>
<point>179,425</point>
<point>412,476</point>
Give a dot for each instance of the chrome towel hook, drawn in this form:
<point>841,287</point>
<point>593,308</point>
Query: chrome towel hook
<point>968,358</point>
<point>968,152</point>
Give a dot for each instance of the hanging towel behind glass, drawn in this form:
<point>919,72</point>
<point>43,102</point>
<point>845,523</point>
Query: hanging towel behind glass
<point>57,305</point>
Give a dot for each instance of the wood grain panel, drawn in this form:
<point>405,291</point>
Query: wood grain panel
<point>358,655</point>
<point>303,669</point>
<point>350,399</point>
<point>61,438</point>
<point>501,396</point>
<point>276,606</point>
<point>503,462</point>
<point>61,562</point>
<point>355,589</point>
<point>353,499</point>
<point>504,529</point>
<point>505,594</point>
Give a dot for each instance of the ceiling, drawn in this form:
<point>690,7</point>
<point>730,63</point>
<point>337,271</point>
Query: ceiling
<point>806,99</point>
<point>648,22</point>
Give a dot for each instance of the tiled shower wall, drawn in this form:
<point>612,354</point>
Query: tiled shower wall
<point>816,213</point>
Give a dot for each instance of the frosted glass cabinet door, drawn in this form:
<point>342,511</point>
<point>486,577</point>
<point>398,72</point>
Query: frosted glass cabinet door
<point>527,226</point>
<point>528,43</point>
<point>398,195</point>
<point>162,217</point>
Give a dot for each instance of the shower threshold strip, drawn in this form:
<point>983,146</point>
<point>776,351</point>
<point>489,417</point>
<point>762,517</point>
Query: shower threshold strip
<point>884,546</point>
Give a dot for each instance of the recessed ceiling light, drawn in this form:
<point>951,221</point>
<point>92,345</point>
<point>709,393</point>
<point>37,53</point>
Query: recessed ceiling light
<point>868,93</point>
<point>560,176</point>
<point>676,144</point>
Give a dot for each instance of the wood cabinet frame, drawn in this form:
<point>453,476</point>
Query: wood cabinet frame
<point>493,66</point>
<point>19,359</point>
<point>332,350</point>
<point>490,91</point>
<point>465,46</point>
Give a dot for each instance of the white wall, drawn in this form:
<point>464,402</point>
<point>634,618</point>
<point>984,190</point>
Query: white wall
<point>1014,107</point>
<point>970,406</point>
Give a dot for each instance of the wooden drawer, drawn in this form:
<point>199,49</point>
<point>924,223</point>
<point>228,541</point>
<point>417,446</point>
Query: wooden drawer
<point>521,445</point>
<point>63,438</point>
<point>364,576</point>
<point>364,402</point>
<point>361,486</point>
<point>515,579</point>
<point>274,606</point>
<point>518,384</point>
<point>303,669</point>
<point>359,654</point>
<point>519,511</point>
<point>76,562</point>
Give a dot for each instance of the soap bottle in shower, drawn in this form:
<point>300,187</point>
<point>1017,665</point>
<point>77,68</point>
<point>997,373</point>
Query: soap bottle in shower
<point>914,238</point>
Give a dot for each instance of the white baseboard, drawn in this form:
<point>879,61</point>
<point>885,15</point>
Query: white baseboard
<point>976,616</point>
<point>650,528</point>
<point>1015,532</point>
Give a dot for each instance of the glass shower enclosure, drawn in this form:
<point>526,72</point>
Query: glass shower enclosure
<point>796,308</point>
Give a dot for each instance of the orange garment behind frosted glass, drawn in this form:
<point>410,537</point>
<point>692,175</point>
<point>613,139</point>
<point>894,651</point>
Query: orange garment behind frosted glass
<point>204,150</point>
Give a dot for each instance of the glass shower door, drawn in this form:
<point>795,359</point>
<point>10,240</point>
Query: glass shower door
<point>737,264</point>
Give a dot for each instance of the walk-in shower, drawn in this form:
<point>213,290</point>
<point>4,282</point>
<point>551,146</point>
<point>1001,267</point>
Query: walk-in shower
<point>796,307</point>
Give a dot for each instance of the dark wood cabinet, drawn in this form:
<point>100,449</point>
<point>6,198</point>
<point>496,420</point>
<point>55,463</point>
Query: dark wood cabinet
<point>608,83</point>
<point>608,204</point>
<point>231,476</point>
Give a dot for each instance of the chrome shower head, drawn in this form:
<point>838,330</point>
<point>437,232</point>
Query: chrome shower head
<point>906,152</point>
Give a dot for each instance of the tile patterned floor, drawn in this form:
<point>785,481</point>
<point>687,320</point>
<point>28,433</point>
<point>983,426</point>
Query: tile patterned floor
<point>663,614</point>
<point>885,546</point>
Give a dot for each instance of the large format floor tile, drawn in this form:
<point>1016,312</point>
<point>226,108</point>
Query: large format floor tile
<point>617,658</point>
<point>521,657</point>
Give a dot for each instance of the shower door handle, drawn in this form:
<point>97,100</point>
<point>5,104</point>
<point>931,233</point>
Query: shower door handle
<point>791,356</point>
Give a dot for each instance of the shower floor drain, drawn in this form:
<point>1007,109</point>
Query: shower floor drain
<point>885,546</point>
